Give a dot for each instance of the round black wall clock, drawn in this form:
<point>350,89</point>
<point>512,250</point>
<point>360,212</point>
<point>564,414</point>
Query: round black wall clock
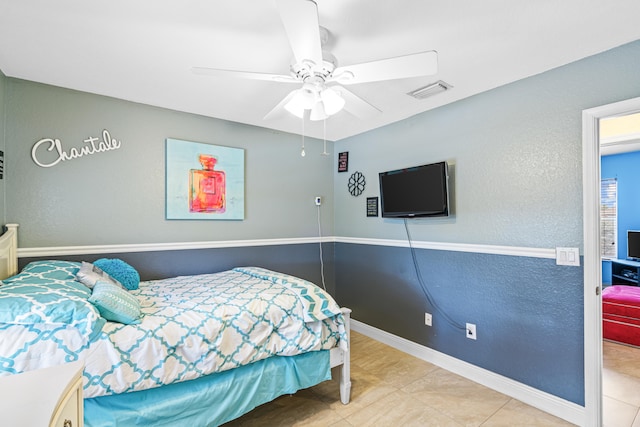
<point>356,184</point>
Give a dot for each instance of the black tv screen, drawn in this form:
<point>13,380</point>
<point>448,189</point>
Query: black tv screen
<point>633,244</point>
<point>415,192</point>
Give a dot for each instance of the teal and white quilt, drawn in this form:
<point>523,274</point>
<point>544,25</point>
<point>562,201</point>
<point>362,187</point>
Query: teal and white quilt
<point>190,326</point>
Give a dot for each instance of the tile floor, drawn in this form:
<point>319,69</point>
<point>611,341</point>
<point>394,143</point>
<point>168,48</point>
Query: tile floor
<point>621,385</point>
<point>391,388</point>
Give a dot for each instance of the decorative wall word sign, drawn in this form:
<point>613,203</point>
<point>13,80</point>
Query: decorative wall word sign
<point>94,145</point>
<point>343,161</point>
<point>372,206</point>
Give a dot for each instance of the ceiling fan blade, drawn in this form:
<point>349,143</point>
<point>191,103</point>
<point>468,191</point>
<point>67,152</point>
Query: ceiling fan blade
<point>244,75</point>
<point>401,67</point>
<point>354,104</point>
<point>278,109</point>
<point>300,19</point>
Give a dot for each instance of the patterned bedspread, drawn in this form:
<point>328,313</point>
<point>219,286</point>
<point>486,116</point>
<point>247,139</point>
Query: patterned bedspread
<point>191,326</point>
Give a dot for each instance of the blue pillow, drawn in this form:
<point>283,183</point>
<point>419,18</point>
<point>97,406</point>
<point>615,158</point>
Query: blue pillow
<point>121,271</point>
<point>115,304</point>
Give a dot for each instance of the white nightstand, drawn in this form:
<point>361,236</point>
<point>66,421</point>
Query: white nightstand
<point>45,397</point>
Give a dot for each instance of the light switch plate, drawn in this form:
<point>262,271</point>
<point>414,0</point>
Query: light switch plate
<point>568,256</point>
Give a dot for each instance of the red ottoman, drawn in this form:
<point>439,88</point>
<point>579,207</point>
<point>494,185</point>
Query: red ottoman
<point>621,314</point>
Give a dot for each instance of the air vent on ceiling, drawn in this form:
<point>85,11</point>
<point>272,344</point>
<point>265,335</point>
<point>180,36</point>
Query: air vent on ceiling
<point>430,90</point>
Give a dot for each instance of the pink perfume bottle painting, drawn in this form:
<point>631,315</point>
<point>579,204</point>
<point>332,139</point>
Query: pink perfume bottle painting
<point>207,187</point>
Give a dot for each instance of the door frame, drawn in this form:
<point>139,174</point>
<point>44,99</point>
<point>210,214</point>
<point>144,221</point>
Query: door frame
<point>592,260</point>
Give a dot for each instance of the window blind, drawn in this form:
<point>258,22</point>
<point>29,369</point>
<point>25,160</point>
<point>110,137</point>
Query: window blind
<point>609,218</point>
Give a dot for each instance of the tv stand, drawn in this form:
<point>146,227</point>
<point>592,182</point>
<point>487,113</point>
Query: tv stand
<point>625,272</point>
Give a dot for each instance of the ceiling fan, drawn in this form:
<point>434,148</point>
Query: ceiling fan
<point>322,93</point>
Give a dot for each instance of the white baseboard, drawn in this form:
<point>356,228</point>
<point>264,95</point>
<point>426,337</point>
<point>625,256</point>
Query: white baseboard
<point>546,402</point>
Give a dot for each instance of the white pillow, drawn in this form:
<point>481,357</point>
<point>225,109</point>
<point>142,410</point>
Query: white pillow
<point>89,275</point>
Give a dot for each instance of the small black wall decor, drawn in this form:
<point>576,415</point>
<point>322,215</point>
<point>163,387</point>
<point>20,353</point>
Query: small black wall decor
<point>356,184</point>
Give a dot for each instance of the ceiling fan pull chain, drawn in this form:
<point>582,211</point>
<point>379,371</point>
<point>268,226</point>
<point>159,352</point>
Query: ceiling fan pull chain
<point>302,153</point>
<point>324,137</point>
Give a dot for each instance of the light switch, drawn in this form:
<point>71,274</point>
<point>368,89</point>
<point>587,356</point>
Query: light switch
<point>568,256</point>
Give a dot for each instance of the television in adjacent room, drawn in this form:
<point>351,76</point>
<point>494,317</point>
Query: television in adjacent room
<point>419,191</point>
<point>633,245</point>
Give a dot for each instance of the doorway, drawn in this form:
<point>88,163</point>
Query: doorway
<point>591,244</point>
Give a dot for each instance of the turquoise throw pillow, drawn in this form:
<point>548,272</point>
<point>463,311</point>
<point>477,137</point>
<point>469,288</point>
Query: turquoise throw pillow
<point>115,303</point>
<point>121,271</point>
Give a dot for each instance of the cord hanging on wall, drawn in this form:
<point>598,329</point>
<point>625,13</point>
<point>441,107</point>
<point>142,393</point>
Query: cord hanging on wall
<point>423,286</point>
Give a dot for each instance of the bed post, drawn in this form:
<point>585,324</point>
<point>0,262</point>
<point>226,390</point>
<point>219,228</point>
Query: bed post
<point>9,251</point>
<point>345,370</point>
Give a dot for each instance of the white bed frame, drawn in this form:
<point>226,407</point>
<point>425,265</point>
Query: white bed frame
<point>9,251</point>
<point>338,357</point>
<point>342,358</point>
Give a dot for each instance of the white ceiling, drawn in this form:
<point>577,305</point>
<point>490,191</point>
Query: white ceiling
<point>143,50</point>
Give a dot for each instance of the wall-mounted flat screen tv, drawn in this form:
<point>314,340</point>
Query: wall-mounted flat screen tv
<point>419,191</point>
<point>633,244</point>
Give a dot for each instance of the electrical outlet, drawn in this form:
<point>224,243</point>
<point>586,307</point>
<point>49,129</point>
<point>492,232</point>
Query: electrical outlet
<point>318,200</point>
<point>427,319</point>
<point>471,331</point>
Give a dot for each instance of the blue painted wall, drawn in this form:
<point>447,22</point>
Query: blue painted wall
<point>625,168</point>
<point>526,334</point>
<point>300,260</point>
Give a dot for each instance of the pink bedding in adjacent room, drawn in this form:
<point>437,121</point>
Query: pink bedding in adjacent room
<point>621,314</point>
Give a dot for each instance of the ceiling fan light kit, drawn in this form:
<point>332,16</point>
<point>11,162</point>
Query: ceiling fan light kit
<point>302,99</point>
<point>318,112</point>
<point>322,101</point>
<point>332,101</point>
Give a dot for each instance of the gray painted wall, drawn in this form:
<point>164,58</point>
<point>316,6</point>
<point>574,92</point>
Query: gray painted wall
<point>515,153</point>
<point>3,80</point>
<point>117,197</point>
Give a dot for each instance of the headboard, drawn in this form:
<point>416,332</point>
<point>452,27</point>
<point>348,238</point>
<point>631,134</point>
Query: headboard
<point>9,251</point>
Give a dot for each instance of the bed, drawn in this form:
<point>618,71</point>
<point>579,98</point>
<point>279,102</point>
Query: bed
<point>621,314</point>
<point>190,350</point>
